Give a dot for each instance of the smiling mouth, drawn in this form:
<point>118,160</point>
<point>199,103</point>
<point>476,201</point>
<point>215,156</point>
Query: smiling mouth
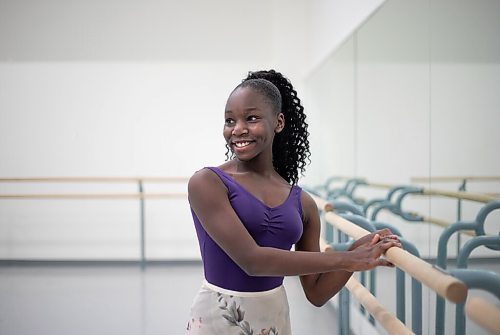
<point>242,144</point>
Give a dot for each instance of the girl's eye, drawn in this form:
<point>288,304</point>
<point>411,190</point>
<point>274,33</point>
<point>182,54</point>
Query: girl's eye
<point>252,118</point>
<point>229,122</point>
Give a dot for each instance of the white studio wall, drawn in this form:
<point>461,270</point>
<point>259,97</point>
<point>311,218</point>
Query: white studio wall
<point>117,89</point>
<point>132,88</point>
<point>330,96</point>
<point>332,22</point>
<point>125,119</point>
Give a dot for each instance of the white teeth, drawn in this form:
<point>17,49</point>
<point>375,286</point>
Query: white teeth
<point>241,144</point>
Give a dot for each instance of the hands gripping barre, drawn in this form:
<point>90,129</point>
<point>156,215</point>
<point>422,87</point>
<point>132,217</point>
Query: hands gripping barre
<point>442,283</point>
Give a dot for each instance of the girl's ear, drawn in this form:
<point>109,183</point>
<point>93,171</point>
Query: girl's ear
<point>280,123</point>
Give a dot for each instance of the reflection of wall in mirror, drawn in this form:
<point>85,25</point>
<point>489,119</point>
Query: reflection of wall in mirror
<point>414,93</point>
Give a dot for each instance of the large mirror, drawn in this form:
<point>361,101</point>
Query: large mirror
<point>411,99</point>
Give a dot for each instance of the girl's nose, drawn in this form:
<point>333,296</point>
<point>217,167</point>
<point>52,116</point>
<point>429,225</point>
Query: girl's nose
<point>240,128</point>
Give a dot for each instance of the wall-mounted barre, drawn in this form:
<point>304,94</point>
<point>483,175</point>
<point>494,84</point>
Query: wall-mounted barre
<point>460,195</point>
<point>454,179</point>
<point>478,197</point>
<point>446,224</point>
<point>484,314</point>
<point>406,191</point>
<point>443,284</point>
<point>321,203</point>
<point>139,195</point>
<point>122,196</point>
<point>485,198</point>
<point>135,196</point>
<point>387,320</point>
<point>95,180</point>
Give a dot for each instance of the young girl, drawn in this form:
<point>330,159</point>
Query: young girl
<point>249,211</point>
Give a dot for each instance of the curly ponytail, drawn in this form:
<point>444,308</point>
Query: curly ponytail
<point>291,146</point>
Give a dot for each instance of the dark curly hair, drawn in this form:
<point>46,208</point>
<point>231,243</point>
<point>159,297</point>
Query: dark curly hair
<point>290,146</point>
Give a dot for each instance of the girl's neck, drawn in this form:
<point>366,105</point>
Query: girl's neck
<point>264,168</point>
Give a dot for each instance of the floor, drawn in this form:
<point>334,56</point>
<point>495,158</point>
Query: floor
<point>119,299</point>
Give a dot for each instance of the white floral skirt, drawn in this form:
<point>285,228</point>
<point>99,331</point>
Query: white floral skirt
<point>217,311</point>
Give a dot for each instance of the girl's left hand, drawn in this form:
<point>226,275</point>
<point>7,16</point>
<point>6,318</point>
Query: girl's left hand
<point>383,234</point>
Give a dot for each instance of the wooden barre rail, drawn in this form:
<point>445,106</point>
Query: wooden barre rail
<point>478,197</point>
<point>446,224</point>
<point>484,314</point>
<point>435,221</point>
<point>138,195</point>
<point>96,196</point>
<point>327,207</point>
<point>443,284</point>
<point>454,179</point>
<point>94,180</point>
<point>388,321</point>
<point>461,195</point>
<point>380,185</point>
<point>322,203</point>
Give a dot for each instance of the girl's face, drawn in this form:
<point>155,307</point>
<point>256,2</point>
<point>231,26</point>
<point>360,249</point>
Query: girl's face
<point>250,124</point>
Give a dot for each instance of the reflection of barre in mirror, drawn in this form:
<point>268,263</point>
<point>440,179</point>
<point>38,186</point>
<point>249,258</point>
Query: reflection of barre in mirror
<point>396,194</point>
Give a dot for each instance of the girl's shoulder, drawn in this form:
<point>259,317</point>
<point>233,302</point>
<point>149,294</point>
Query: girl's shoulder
<point>205,188</point>
<point>309,207</point>
<point>202,178</point>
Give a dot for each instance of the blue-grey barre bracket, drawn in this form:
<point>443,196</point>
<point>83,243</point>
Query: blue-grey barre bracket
<point>478,226</point>
<point>474,279</point>
<point>143,227</point>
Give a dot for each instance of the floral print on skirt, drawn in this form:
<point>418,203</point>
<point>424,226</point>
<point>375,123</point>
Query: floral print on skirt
<point>217,311</point>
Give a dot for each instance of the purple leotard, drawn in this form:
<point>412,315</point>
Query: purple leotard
<point>278,227</point>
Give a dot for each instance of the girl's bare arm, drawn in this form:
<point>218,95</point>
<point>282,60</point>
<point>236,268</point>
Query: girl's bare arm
<point>208,198</point>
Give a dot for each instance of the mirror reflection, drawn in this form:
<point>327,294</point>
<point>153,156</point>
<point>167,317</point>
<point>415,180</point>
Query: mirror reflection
<point>408,110</point>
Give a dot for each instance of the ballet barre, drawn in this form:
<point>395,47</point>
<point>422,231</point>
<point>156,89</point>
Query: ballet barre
<point>139,195</point>
<point>404,191</point>
<point>95,180</point>
<point>484,198</point>
<point>111,196</point>
<point>438,179</point>
<point>477,197</point>
<point>322,204</point>
<point>484,314</point>
<point>387,320</point>
<point>443,284</point>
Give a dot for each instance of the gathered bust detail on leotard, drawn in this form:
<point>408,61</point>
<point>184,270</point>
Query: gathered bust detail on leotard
<point>278,227</point>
